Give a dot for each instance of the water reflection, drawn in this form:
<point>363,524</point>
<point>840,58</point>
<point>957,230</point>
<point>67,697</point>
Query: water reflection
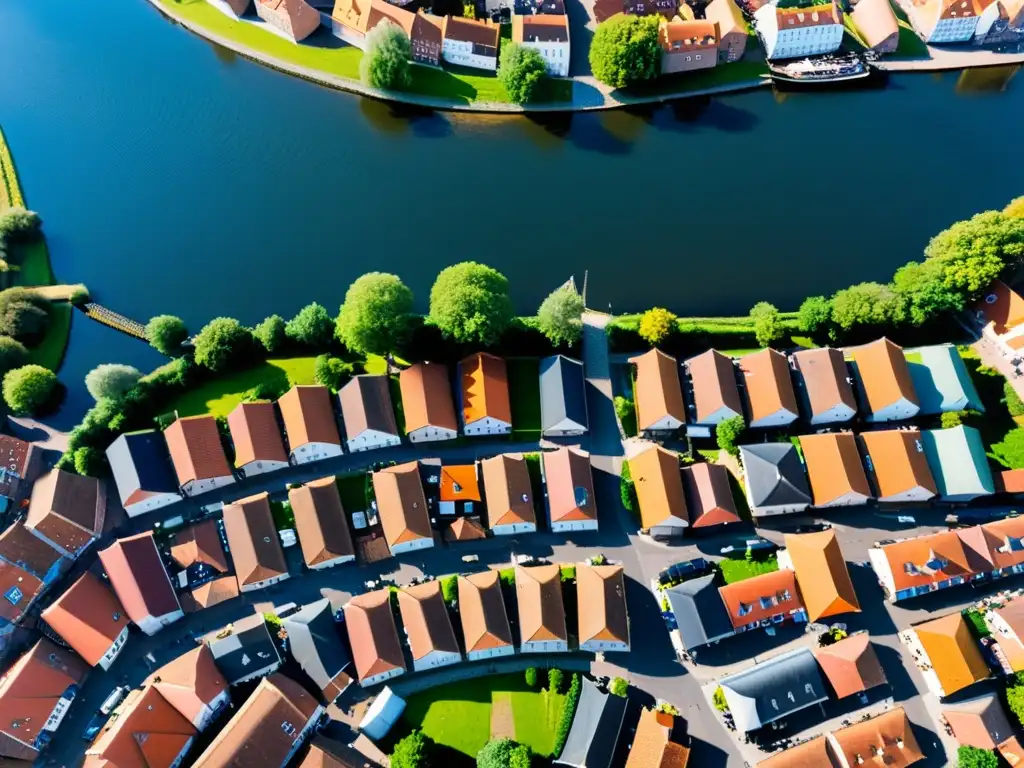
<point>626,125</point>
<point>397,119</point>
<point>224,55</point>
<point>986,80</point>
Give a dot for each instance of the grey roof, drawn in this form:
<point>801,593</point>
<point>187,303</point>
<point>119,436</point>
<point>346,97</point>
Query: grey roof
<point>248,648</point>
<point>315,643</point>
<point>700,613</point>
<point>140,461</point>
<point>773,689</point>
<point>562,392</point>
<point>775,475</point>
<point>941,380</point>
<point>595,729</point>
<point>958,461</point>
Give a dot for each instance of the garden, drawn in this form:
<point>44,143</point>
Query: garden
<point>747,566</point>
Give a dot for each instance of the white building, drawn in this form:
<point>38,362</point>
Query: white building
<point>548,34</point>
<point>789,33</point>
<point>945,21</point>
<point>142,471</point>
<point>470,43</point>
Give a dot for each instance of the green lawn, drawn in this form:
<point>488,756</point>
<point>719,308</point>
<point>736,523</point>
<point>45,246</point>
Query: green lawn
<point>740,569</point>
<point>524,394</point>
<point>458,715</point>
<point>49,353</point>
<point>352,489</point>
<point>1001,435</point>
<point>220,396</point>
<point>33,260</point>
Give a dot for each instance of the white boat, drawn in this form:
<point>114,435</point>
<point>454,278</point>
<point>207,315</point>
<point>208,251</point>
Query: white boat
<point>822,69</point>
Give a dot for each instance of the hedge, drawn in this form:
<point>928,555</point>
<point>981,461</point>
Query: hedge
<point>568,714</point>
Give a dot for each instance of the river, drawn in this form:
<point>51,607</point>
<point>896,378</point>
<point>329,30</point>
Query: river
<point>176,177</point>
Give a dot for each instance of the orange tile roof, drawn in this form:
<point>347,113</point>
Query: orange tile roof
<point>465,529</point>
<point>658,392</point>
<point>211,593</point>
<point>769,384</point>
<point>68,509</point>
<point>928,560</point>
<point>810,754</point>
<point>826,379</point>
<point>952,651</point>
<point>308,416</point>
<point>696,35</point>
<point>427,397</point>
<point>822,574</point>
<point>760,597</point>
<point>851,665</point>
<point>484,388</point>
<point>320,521</point>
<point>482,611</point>
<point>601,597</point>
<point>366,405</point>
<point>459,483</point>
<point>710,495</point>
<point>1006,541</point>
<point>834,466</point>
<point>190,682</point>
<point>812,16</point>
<point>138,577</point>
<point>1011,751</point>
<point>884,374</point>
<point>19,588</point>
<point>253,540</point>
<point>19,546</point>
<point>1009,481</point>
<point>653,746</point>
<point>200,543</point>
<point>482,33</point>
<point>570,485</point>
<point>979,722</point>
<point>196,450</point>
<point>541,612</point>
<point>897,462</point>
<point>88,616</point>
<point>713,379</point>
<point>659,487</point>
<point>373,635</point>
<point>145,731</point>
<point>425,619</point>
<point>402,504</point>
<point>1001,306</point>
<point>506,482</point>
<point>889,732</point>
<point>256,433</point>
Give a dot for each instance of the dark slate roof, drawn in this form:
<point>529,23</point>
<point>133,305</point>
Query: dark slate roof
<point>249,647</point>
<point>773,689</point>
<point>595,729</point>
<point>700,613</point>
<point>775,474</point>
<point>562,391</point>
<point>141,461</point>
<point>315,643</point>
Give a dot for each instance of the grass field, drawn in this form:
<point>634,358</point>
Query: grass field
<point>220,396</point>
<point>524,394</point>
<point>458,715</point>
<point>740,569</point>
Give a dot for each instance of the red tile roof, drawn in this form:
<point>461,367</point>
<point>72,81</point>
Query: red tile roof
<point>373,634</point>
<point>256,433</point>
<point>200,543</point>
<point>320,521</point>
<point>252,538</point>
<point>190,681</point>
<point>144,732</point>
<point>139,578</point>
<point>88,616</point>
<point>67,509</point>
<point>196,450</point>
<point>308,416</point>
<point>760,597</point>
<point>19,546</point>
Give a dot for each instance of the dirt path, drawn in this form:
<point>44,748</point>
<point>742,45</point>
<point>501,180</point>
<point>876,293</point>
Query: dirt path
<point>503,725</point>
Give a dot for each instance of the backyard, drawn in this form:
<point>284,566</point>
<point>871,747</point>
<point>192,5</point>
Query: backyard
<point>220,396</point>
<point>524,396</point>
<point>740,568</point>
<point>1000,431</point>
<point>468,714</point>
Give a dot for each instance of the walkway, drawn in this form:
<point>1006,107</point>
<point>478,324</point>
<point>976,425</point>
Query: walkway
<point>944,59</point>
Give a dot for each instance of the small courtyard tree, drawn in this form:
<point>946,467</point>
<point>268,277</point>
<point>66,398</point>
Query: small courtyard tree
<point>728,433</point>
<point>656,325</point>
<point>560,316</point>
<point>520,70</point>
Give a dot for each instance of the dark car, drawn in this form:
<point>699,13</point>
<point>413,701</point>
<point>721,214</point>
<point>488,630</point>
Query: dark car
<point>95,726</point>
<point>684,570</point>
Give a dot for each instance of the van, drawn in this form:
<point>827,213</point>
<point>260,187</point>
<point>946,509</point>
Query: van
<point>113,700</point>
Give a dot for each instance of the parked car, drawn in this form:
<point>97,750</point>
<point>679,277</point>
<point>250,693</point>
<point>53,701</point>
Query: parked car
<point>115,698</point>
<point>684,570</point>
<point>753,544</point>
<point>94,727</point>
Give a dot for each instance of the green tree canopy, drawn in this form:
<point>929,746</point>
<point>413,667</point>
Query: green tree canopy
<point>923,289</point>
<point>1015,208</point>
<point>312,327</point>
<point>866,304</point>
<point>560,316</point>
<point>618,687</point>
<point>166,333</point>
<point>767,323</point>
<point>519,70</point>
<point>470,303</point>
<point>12,354</point>
<point>728,433</point>
<point>413,751</point>
<point>503,753</point>
<point>656,324</point>
<point>111,380</point>
<point>332,372</point>
<point>990,234</point>
<point>970,276</point>
<point>270,332</point>
<point>385,62</point>
<point>625,50</point>
<point>24,315</point>
<point>27,389</point>
<point>375,316</point>
<point>815,314</point>
<point>223,344</point>
<point>972,757</point>
<point>90,462</point>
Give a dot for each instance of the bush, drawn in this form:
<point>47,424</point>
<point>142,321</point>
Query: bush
<point>412,752</point>
<point>385,62</point>
<point>1013,402</point>
<point>728,433</point>
<point>568,713</point>
<point>815,314</point>
<point>560,317</point>
<point>27,389</point>
<point>469,303</point>
<point>375,317</point>
<point>271,334</point>
<point>627,489</point>
<point>450,589</point>
<point>18,224</point>
<point>656,325</point>
<point>332,372</point>
<point>972,757</point>
<point>619,687</point>
<point>531,677</point>
<point>111,380</point>
<point>13,354</point>
<point>166,334</point>
<point>520,69</point>
<point>718,700</point>
<point>265,390</point>
<point>555,678</point>
<point>24,315</point>
<point>625,50</point>
<point>503,753</point>
<point>312,327</point>
<point>225,344</point>
<point>91,462</point>
<point>626,411</point>
<point>952,419</point>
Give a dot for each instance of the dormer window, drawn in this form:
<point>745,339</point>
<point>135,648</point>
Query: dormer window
<point>745,608</point>
<point>456,487</point>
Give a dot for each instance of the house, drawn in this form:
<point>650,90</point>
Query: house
<point>485,404</point>
<point>776,483</point>
<point>773,689</point>
<point>427,403</point>
<point>1007,625</point>
<point>321,524</point>
<point>485,626</point>
<point>1000,313</point>
<point>851,665</point>
<point>403,508</point>
<point>835,470</point>
<point>245,650</point>
<point>20,547</point>
<point>297,19</point>
<point>595,729</point>
<point>1006,542</point>
<point>210,593</point>
<point>659,492</point>
<point>711,385</point>
<point>328,753</point>
<point>144,730</point>
<point>372,634</point>
<point>459,490</point>
<point>142,472</point>
<point>368,414</point>
<point>379,718</point>
<point>35,695</point>
<point>824,385</point>
<point>701,616</point>
<point>941,381</point>
<point>563,397</point>
<point>687,46</point>
<point>886,388</point>
<point>656,743</point>
<point>897,466</point>
<point>886,739</point>
<point>351,20</point>
<point>464,529</point>
<point>541,612</point>
<point>140,581</point>
<point>603,616</point>
<point>763,600</point>
<point>198,550</point>
<point>20,590</point>
<point>256,434</point>
<point>198,455</point>
<point>20,462</point>
<point>709,495</point>
<point>67,511</point>
<point>548,34</point>
<point>978,722</point>
<point>659,399</point>
<point>876,24</point>
<point>309,424</point>
<point>267,730</point>
<point>769,388</point>
<point>948,654</point>
<point>572,505</point>
<point>812,753</point>
<point>471,43</point>
<point>427,625</point>
<point>793,32</point>
<point>666,8</point>
<point>821,573</point>
<point>193,685</point>
<point>318,648</point>
<point>945,21</point>
<point>509,495</point>
<point>90,619</point>
<point>732,29</point>
<point>928,563</point>
<point>958,463</point>
<point>254,544</point>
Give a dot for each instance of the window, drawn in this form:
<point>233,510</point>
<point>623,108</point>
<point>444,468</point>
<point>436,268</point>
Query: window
<point>698,57</point>
<point>14,595</point>
<point>288,728</point>
<point>745,608</point>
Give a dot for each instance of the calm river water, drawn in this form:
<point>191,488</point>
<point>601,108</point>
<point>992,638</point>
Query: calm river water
<point>176,177</point>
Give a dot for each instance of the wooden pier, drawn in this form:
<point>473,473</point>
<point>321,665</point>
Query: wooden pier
<point>113,320</point>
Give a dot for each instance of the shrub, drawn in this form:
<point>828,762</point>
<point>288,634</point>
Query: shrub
<point>24,315</point>
<point>625,50</point>
<point>619,687</point>
<point>503,753</point>
<point>815,314</point>
<point>91,462</point>
<point>18,224</point>
<point>718,700</point>
<point>626,411</point>
<point>469,303</point>
<point>520,69</point>
<point>166,334</point>
<point>656,325</point>
<point>1013,402</point>
<point>728,433</point>
<point>111,380</point>
<point>224,344</point>
<point>555,678</point>
<point>270,332</point>
<point>560,316</point>
<point>27,389</point>
<point>568,713</point>
<point>412,752</point>
<point>12,354</point>
<point>450,589</point>
<point>972,757</point>
<point>1015,208</point>
<point>332,372</point>
<point>376,315</point>
<point>508,577</point>
<point>385,62</point>
<point>952,419</point>
<point>312,327</point>
<point>531,677</point>
<point>265,390</point>
<point>627,489</point>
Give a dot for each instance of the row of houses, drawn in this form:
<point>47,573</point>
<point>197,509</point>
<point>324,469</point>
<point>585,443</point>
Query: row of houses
<point>981,22</point>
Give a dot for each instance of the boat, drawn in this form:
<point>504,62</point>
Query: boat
<point>820,70</point>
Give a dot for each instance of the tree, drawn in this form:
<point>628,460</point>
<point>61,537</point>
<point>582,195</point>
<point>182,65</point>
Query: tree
<point>1015,697</point>
<point>271,334</point>
<point>412,752</point>
<point>503,753</point>
<point>166,334</point>
<point>90,461</point>
<point>767,323</point>
<point>866,304</point>
<point>973,274</point>
<point>625,50</point>
<point>111,380</point>
<point>531,677</point>
<point>12,354</point>
<point>385,62</point>
<point>952,419</point>
<point>815,314</point>
<point>519,70</point>
<point>18,224</point>
<point>1014,404</point>
<point>312,326</point>
<point>656,324</point>
<point>376,314</point>
<point>469,303</point>
<point>718,700</point>
<point>972,757</point>
<point>332,372</point>
<point>1015,208</point>
<point>560,316</point>
<point>924,291</point>
<point>728,433</point>
<point>24,315</point>
<point>555,678</point>
<point>618,687</point>
<point>29,388</point>
<point>224,343</point>
<point>989,234</point>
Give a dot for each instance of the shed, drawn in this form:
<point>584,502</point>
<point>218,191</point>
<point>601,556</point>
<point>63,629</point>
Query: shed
<point>382,714</point>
